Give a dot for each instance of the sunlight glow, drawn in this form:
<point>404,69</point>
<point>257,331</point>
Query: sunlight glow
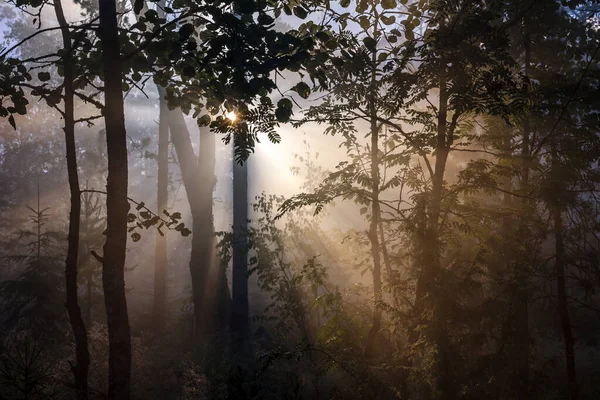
<point>231,116</point>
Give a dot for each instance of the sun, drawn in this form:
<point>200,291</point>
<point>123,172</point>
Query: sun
<point>231,116</point>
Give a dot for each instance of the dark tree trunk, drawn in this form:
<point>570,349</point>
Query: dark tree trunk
<point>239,277</point>
<point>521,295</point>
<point>81,367</point>
<point>207,181</point>
<point>375,210</point>
<point>160,251</point>
<point>561,283</point>
<point>117,207</point>
<point>89,275</point>
<point>432,260</point>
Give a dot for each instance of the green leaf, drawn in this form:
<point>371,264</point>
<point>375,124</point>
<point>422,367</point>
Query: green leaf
<point>388,4</point>
<point>362,6</point>
<point>388,20</point>
<point>364,22</point>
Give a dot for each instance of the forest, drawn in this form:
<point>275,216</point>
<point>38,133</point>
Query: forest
<point>286,199</point>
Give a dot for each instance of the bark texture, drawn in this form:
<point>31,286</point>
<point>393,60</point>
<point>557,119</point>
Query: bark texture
<point>82,356</point>
<point>117,207</point>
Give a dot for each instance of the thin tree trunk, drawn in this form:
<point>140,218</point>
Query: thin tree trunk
<point>199,180</point>
<point>160,251</point>
<point>239,278</point>
<point>117,207</point>
<point>82,356</point>
<point>207,181</point>
<point>199,183</point>
<point>521,316</point>
<point>563,308</point>
<point>432,244</point>
<point>375,207</point>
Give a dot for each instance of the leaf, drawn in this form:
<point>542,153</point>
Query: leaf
<point>137,6</point>
<point>140,206</point>
<point>185,232</point>
<point>44,76</point>
<point>370,43</point>
<point>204,120</point>
<point>265,19</point>
<point>363,211</point>
<point>388,20</point>
<point>284,110</point>
<point>11,120</point>
<point>364,22</point>
<point>344,3</point>
<point>136,236</point>
<point>300,12</point>
<point>302,89</point>
<point>388,4</point>
<point>361,6</point>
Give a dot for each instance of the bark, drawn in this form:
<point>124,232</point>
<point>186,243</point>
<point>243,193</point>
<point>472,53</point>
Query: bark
<point>160,251</point>
<point>82,356</point>
<point>430,291</point>
<point>239,279</point>
<point>375,210</point>
<point>199,181</point>
<point>432,259</point>
<point>521,296</point>
<point>117,207</point>
<point>561,282</point>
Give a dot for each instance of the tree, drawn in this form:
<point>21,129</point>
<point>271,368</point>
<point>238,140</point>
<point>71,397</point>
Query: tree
<point>117,207</point>
<point>80,369</point>
<point>34,294</point>
<point>162,194</point>
<point>239,295</point>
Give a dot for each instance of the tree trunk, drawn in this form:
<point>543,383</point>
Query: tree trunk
<point>162,194</point>
<point>117,207</point>
<point>431,250</point>
<point>375,207</point>
<point>199,181</point>
<point>521,299</point>
<point>239,293</point>
<point>563,308</point>
<point>82,356</point>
